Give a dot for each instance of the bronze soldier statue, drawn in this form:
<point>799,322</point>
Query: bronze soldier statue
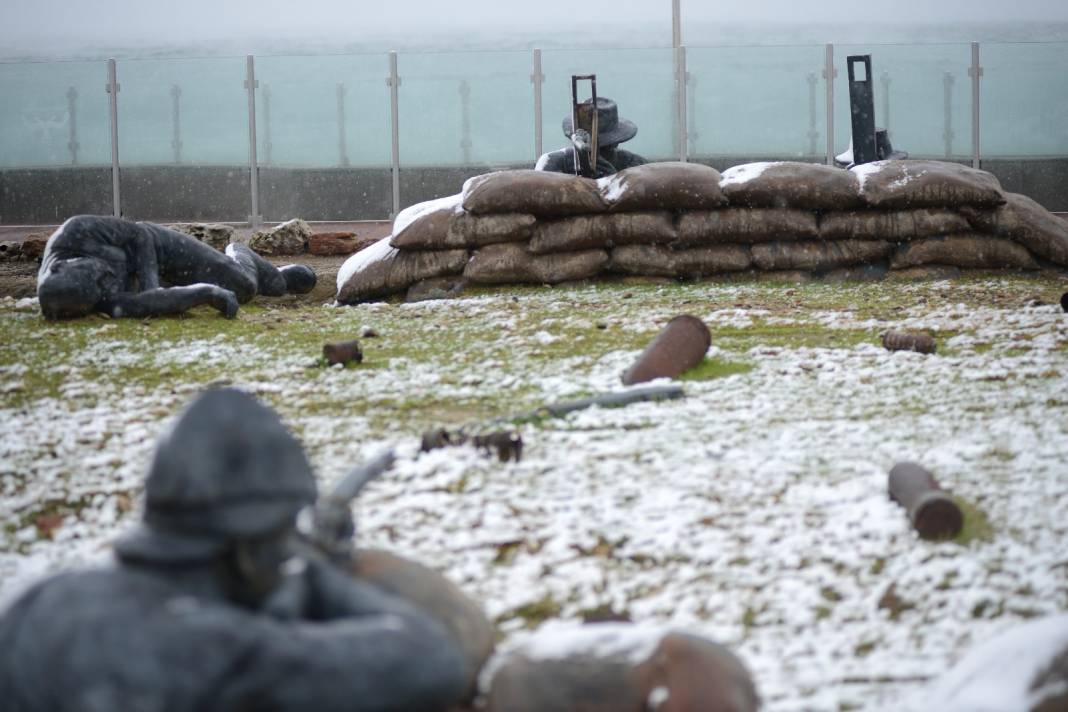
<point>611,132</point>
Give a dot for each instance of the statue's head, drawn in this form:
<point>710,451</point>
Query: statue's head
<point>71,288</point>
<point>226,484</point>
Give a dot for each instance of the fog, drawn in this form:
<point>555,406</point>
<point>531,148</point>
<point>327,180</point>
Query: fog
<point>42,23</point>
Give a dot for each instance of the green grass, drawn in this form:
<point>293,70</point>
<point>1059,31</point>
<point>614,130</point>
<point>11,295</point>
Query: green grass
<point>711,368</point>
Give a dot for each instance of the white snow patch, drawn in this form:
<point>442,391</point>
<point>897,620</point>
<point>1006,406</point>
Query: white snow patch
<point>378,252</point>
<point>409,215</point>
<point>657,697</point>
<point>745,172</point>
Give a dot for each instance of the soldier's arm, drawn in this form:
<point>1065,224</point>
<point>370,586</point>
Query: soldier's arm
<point>170,301</point>
<point>146,261</point>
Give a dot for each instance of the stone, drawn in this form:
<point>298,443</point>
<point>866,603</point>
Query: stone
<point>212,234</point>
<point>921,184</point>
<point>289,238</point>
<point>326,244</point>
<point>668,185</point>
<point>10,250</point>
<point>34,245</point>
<point>539,193</point>
<point>435,288</point>
<point>618,667</point>
<point>788,184</point>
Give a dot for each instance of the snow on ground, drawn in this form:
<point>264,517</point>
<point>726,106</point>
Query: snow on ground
<point>754,511</point>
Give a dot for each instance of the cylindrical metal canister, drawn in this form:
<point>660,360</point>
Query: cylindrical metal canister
<point>931,509</point>
<point>678,347</point>
<point>1064,301</point>
<point>342,352</point>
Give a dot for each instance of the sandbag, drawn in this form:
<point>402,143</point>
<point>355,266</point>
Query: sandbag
<point>967,250</point>
<point>818,255</point>
<point>892,225</point>
<point>583,232</point>
<point>1028,223</point>
<point>425,225</point>
<point>529,191</point>
<point>612,667</point>
<point>510,263</point>
<point>786,184</point>
<point>468,230</point>
<point>745,225</point>
<point>921,184</point>
<point>693,263</point>
<point>381,269</point>
<point>671,185</point>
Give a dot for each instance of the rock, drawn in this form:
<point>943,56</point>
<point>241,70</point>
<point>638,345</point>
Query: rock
<point>289,238</point>
<point>212,234</point>
<point>616,667</point>
<point>10,250</point>
<point>334,243</point>
<point>34,245</point>
<point>435,288</point>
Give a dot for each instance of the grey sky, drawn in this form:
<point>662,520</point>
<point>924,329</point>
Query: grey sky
<point>97,21</point>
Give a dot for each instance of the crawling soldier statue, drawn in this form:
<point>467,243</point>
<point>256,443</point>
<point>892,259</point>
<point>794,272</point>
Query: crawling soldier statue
<point>208,606</point>
<point>118,267</point>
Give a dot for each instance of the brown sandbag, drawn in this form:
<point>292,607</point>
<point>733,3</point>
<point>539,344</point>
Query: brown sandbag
<point>381,270</point>
<point>893,225</point>
<point>535,192</point>
<point>693,263</point>
<point>818,255</point>
<point>424,225</point>
<point>1028,223</point>
<point>510,263</point>
<point>442,224</point>
<point>468,230</point>
<point>745,225</point>
<point>967,250</point>
<point>788,184</point>
<point>920,184</point>
<point>670,185</point>
<point>609,667</point>
<point>583,232</point>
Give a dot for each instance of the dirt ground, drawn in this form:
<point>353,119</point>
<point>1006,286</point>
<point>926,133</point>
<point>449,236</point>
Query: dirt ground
<point>18,277</point>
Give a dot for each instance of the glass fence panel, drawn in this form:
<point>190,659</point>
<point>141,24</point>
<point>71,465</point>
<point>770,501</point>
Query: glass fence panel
<point>55,142</point>
<point>183,139</point>
<point>752,102</point>
<point>323,134</point>
<point>640,81</point>
<point>922,97</point>
<point>54,114</point>
<point>1023,99</point>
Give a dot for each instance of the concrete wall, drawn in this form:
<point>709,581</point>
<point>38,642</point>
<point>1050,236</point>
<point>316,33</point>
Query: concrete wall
<point>45,196</point>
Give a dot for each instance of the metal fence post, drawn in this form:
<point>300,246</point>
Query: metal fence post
<point>72,119</point>
<point>113,112</point>
<point>465,122</point>
<point>691,109</point>
<point>537,79</point>
<point>267,145</point>
<point>680,109</point>
<point>393,81</point>
<point>176,119</point>
<point>676,23</point>
<point>812,134</point>
<point>254,218</point>
<point>947,101</point>
<point>975,72</point>
<point>885,80</point>
<point>829,73</point>
<point>342,147</point>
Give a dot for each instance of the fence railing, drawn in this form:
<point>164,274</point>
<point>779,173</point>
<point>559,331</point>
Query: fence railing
<point>486,110</point>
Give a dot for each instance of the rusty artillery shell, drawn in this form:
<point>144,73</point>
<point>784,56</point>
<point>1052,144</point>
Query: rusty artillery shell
<point>932,511</point>
<point>909,341</point>
<point>342,352</point>
<point>678,347</point>
<point>1064,301</point>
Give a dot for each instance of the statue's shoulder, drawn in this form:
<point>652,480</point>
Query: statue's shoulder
<point>559,161</point>
<point>627,159</point>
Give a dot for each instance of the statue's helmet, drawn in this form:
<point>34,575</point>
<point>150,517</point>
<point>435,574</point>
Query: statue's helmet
<point>228,470</point>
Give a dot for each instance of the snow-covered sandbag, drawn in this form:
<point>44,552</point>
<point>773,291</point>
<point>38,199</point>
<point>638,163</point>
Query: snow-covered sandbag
<point>1024,669</point>
<point>1028,223</point>
<point>670,185</point>
<point>511,263</point>
<point>381,270</point>
<point>787,184</point>
<point>893,225</point>
<point>967,250</point>
<point>925,184</point>
<point>583,232</point>
<point>528,191</point>
<point>662,261</point>
<point>819,256</point>
<point>443,224</point>
<point>618,668</point>
<point>745,225</point>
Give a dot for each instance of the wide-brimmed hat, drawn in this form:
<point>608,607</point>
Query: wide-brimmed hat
<point>228,470</point>
<point>610,128</point>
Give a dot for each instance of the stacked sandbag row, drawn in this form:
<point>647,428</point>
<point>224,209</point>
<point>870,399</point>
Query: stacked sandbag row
<point>685,220</point>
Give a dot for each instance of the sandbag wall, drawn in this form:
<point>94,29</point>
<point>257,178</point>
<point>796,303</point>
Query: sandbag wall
<point>685,220</point>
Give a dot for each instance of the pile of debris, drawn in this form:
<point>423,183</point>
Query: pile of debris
<point>687,221</point>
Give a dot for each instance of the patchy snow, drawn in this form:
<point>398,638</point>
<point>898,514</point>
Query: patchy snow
<point>863,171</point>
<point>612,187</point>
<point>745,172</point>
<point>657,697</point>
<point>753,512</point>
<point>377,252</point>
